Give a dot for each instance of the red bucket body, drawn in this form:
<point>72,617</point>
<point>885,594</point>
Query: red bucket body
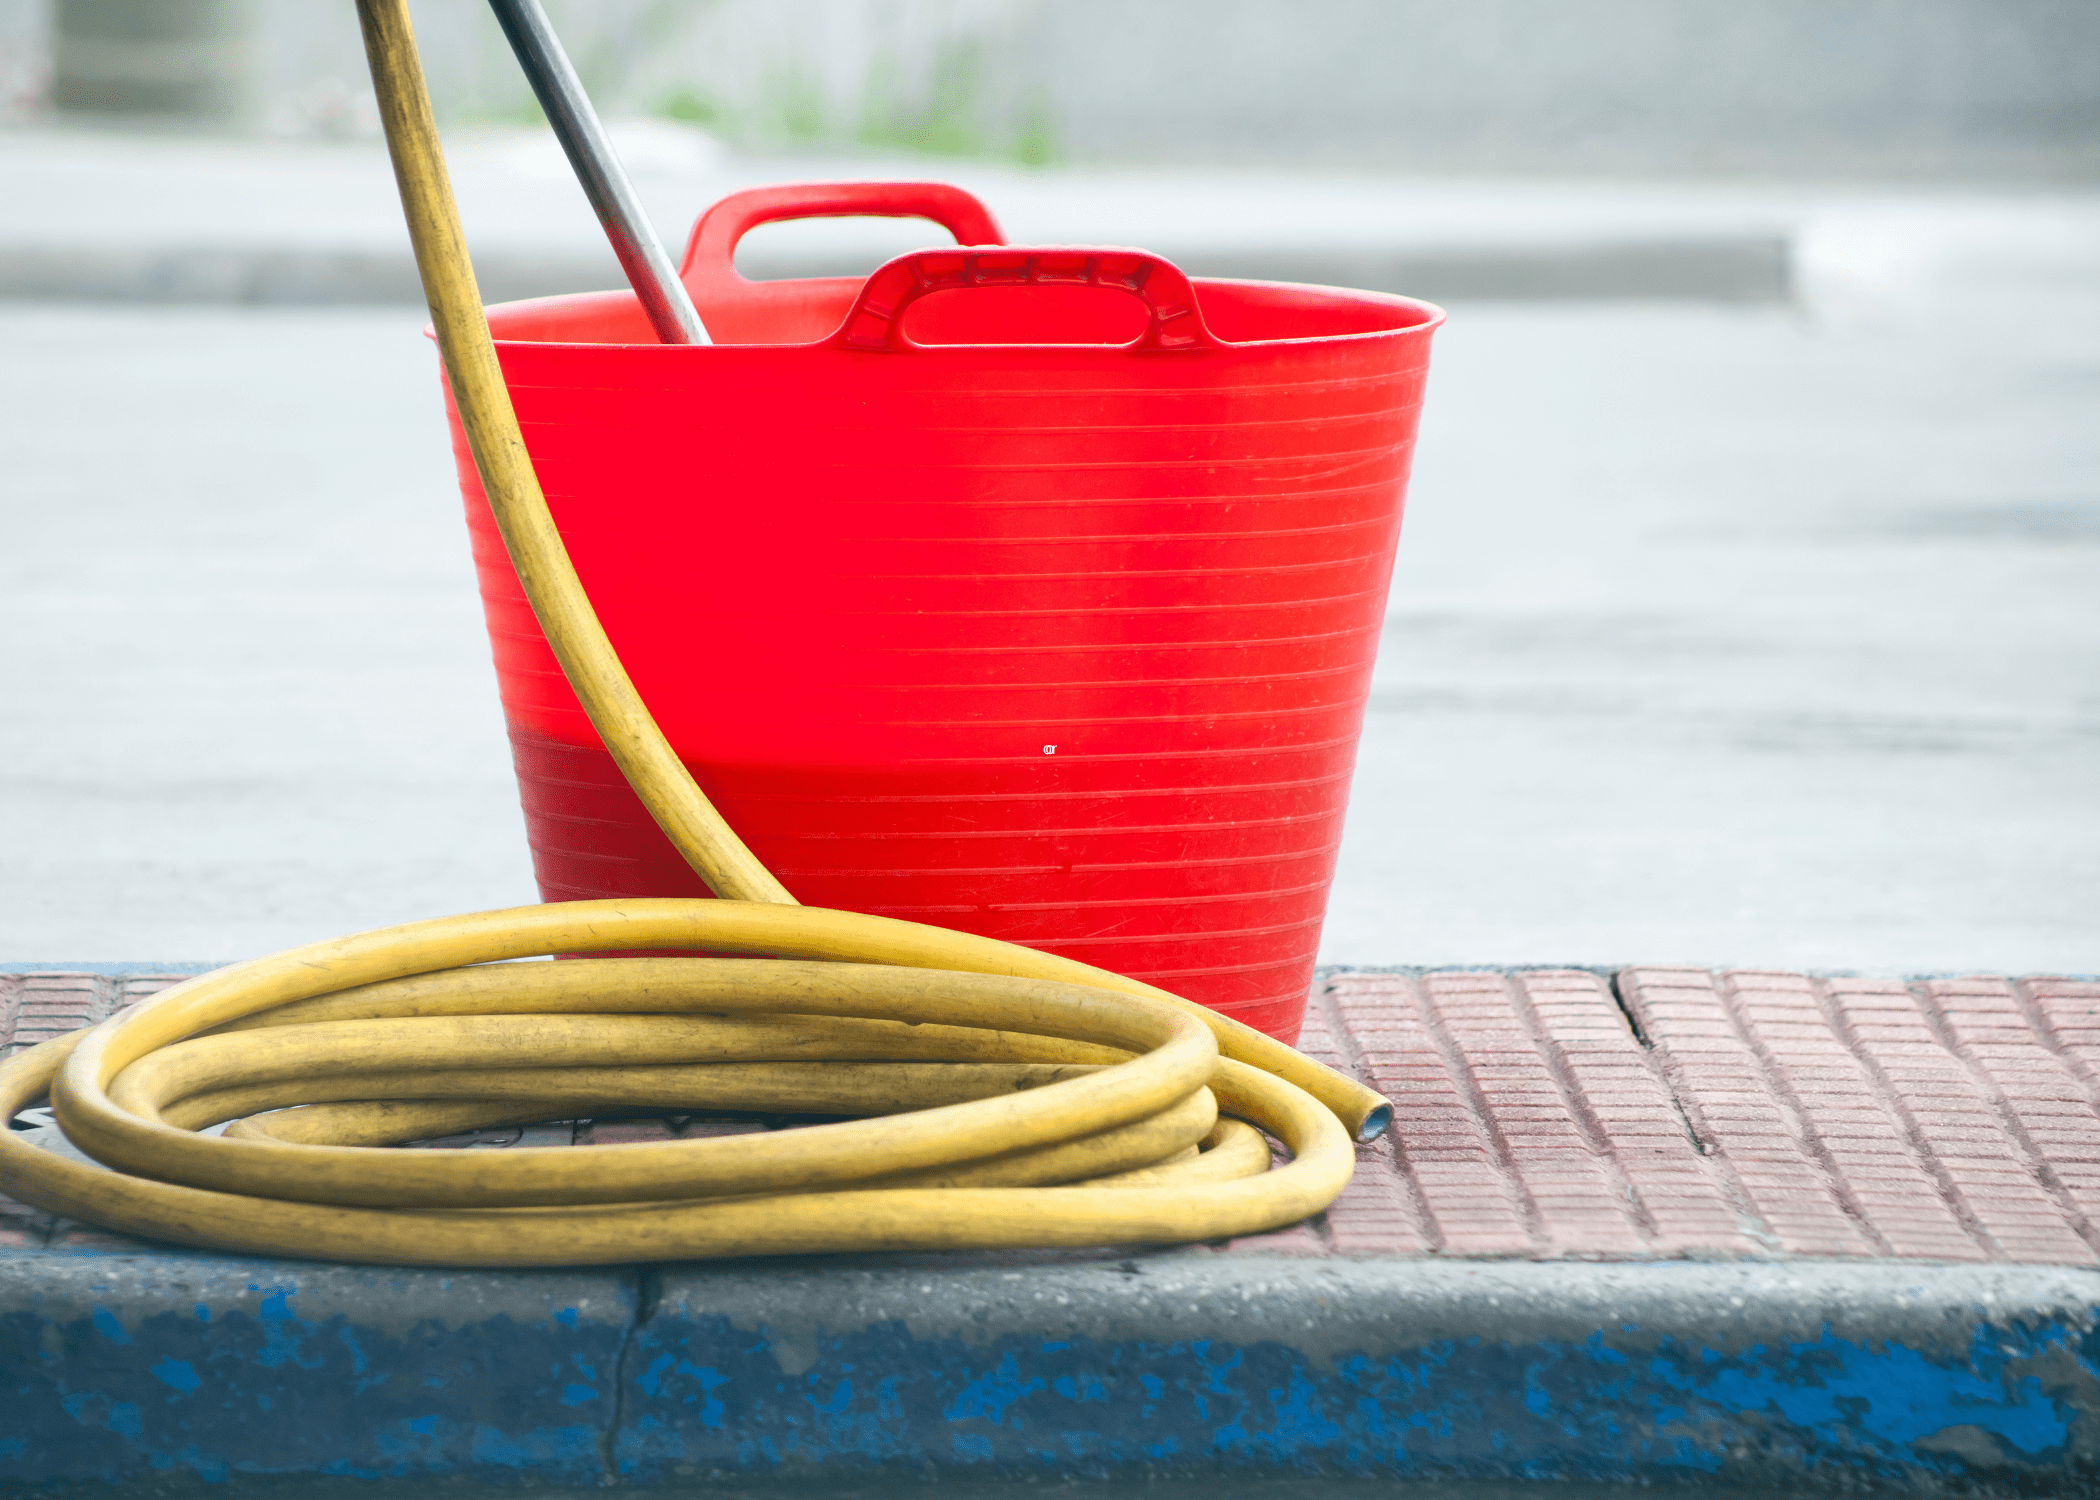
<point>1065,643</point>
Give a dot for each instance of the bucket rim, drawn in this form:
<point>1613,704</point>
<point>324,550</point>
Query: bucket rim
<point>1433,317</point>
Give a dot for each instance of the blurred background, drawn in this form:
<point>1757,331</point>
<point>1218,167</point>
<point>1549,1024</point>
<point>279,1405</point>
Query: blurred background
<point>1984,90</point>
<point>1746,607</point>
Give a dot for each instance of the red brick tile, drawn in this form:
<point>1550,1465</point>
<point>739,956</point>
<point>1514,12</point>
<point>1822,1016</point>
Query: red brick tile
<point>1753,1112</point>
<point>1377,1213</point>
<point>41,1007</point>
<point>1300,1241</point>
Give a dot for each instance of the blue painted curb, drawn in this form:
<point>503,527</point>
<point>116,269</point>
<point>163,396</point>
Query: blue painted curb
<point>170,1373</point>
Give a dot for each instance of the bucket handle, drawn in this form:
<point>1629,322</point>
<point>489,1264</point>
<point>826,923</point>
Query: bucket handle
<point>1174,321</point>
<point>710,252</point>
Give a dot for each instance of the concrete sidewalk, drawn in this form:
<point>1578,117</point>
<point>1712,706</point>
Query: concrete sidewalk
<point>95,214</point>
<point>1749,1230</point>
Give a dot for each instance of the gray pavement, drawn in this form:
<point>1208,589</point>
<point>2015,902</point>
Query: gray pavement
<point>1725,637</point>
<point>256,704</point>
<point>1718,636</point>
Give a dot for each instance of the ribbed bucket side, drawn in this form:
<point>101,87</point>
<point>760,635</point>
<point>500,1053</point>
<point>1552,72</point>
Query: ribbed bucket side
<point>1033,647</point>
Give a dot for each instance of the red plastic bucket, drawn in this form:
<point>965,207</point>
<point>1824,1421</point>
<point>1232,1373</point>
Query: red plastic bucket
<point>1030,592</point>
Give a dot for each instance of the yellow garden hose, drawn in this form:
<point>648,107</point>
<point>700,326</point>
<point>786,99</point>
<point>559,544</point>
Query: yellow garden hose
<point>1004,1097</point>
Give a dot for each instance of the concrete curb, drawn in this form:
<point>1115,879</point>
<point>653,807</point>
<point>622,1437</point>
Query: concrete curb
<point>167,1373</point>
<point>154,219</point>
<point>143,218</point>
<point>1729,268</point>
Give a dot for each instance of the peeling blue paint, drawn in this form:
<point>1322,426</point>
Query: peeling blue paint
<point>177,1374</point>
<point>256,1382</point>
<point>294,1373</point>
<point>1895,1393</point>
<point>1471,1408</point>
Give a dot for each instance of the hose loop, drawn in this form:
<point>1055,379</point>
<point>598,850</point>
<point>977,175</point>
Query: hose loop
<point>1003,1097</point>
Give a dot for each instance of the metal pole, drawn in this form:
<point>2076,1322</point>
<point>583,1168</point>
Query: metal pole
<point>560,91</point>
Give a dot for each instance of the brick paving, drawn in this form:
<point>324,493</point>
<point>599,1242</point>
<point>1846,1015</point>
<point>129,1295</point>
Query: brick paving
<point>1663,1112</point>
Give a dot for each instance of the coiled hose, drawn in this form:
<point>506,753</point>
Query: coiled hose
<point>1007,1097</point>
